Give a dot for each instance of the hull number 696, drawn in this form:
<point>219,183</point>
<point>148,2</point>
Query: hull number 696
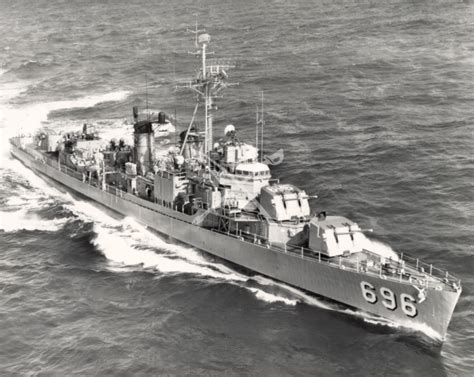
<point>388,298</point>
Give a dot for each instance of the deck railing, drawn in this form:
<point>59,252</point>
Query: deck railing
<point>430,270</point>
<point>409,269</point>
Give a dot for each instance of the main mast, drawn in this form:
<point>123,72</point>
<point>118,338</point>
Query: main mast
<point>209,82</point>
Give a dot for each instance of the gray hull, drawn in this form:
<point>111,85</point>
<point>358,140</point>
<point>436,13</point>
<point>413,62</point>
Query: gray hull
<point>322,278</point>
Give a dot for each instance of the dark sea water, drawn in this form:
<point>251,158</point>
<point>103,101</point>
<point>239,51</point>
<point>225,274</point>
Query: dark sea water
<point>373,103</point>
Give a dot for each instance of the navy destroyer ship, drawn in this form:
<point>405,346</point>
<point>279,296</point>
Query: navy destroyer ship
<point>218,195</point>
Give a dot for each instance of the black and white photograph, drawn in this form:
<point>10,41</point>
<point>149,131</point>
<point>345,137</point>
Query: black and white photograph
<point>237,188</point>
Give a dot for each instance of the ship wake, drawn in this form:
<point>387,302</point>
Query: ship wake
<point>26,196</point>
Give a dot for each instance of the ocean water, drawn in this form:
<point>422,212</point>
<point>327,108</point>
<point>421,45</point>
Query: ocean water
<point>372,103</point>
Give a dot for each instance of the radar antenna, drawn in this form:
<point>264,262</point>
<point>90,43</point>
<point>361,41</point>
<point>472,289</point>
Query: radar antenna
<point>196,32</point>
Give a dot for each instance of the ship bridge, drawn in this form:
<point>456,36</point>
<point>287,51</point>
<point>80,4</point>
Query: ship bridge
<point>244,184</point>
<point>252,170</point>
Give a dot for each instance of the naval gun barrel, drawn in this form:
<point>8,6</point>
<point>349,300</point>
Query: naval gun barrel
<point>354,231</point>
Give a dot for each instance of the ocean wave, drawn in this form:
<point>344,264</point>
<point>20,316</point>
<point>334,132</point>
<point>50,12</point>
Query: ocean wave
<point>130,244</point>
<point>21,209</point>
<point>270,298</point>
<point>12,221</point>
<point>25,199</point>
<point>35,187</point>
<point>401,325</point>
<point>297,294</point>
<point>127,248</point>
<point>31,64</point>
<point>127,243</point>
<point>120,249</point>
<point>32,68</point>
<point>28,192</point>
<point>133,245</point>
<point>16,201</point>
<point>8,91</point>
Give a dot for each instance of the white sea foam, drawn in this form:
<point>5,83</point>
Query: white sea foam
<point>379,321</point>
<point>119,245</point>
<point>41,189</point>
<point>423,328</point>
<point>185,259</point>
<point>20,213</point>
<point>27,200</point>
<point>11,221</point>
<point>366,317</point>
<point>20,207</point>
<point>10,90</point>
<point>295,292</point>
<point>15,201</point>
<point>132,245</point>
<point>271,298</point>
<point>128,243</point>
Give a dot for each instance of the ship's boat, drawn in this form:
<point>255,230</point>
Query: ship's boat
<point>218,194</point>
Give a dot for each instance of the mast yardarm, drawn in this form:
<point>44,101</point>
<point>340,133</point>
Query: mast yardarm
<point>210,80</point>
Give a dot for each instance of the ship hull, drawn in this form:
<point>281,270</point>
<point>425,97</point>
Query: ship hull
<point>339,284</point>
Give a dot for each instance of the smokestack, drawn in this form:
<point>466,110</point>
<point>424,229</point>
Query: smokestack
<point>161,117</point>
